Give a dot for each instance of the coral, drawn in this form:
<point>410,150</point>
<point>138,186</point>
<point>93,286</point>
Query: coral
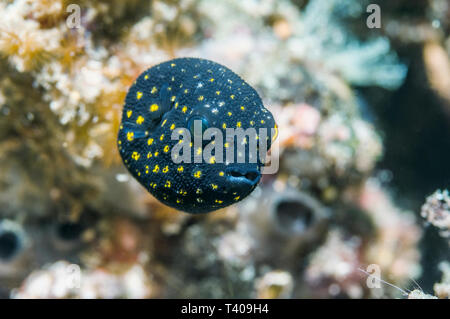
<point>334,266</point>
<point>274,284</point>
<point>437,63</point>
<point>348,144</point>
<point>394,248</point>
<point>436,211</point>
<point>61,280</point>
<point>442,289</point>
<point>418,294</point>
<point>22,40</point>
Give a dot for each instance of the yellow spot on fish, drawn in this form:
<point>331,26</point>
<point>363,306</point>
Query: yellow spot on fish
<point>219,201</point>
<point>173,98</point>
<point>214,186</point>
<point>150,141</point>
<point>201,97</point>
<point>232,96</point>
<point>237,197</point>
<point>146,77</point>
<point>186,91</point>
<point>149,154</point>
<point>156,169</point>
<point>154,107</point>
<point>140,120</point>
<point>129,112</point>
<point>156,154</point>
<point>154,90</point>
<point>172,126</point>
<point>161,137</point>
<point>276,133</point>
<point>242,108</point>
<point>212,160</point>
<point>218,92</point>
<point>138,95</point>
<point>238,124</point>
<point>229,113</point>
<point>166,148</point>
<point>184,109</point>
<point>221,173</point>
<point>135,156</point>
<point>168,184</point>
<point>224,125</point>
<point>130,136</point>
<point>252,123</point>
<point>164,122</point>
<point>172,65</point>
<point>180,169</point>
<point>198,174</point>
<point>165,169</point>
<point>262,122</point>
<point>211,80</point>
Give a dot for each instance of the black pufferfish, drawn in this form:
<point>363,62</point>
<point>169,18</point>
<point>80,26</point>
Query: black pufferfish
<point>171,95</point>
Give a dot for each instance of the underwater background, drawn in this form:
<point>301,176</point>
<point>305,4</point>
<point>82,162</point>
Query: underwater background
<point>364,148</point>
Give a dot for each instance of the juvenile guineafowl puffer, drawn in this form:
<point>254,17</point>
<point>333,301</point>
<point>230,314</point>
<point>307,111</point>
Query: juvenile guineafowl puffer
<point>190,96</point>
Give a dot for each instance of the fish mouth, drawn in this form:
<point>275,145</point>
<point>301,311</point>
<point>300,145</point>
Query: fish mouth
<point>244,176</point>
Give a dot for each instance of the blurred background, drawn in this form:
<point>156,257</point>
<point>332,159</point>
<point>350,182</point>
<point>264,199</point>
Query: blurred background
<point>364,117</point>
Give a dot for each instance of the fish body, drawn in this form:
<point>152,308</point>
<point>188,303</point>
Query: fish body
<point>170,97</point>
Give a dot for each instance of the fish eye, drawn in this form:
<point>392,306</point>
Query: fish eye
<point>195,121</point>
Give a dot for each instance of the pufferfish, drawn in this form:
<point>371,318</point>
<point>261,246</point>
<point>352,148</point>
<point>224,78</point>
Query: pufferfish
<point>172,95</point>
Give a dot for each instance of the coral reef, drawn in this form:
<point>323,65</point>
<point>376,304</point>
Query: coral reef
<point>74,224</point>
